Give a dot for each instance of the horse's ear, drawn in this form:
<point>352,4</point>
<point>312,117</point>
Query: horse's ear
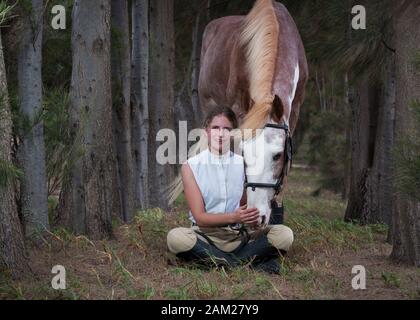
<point>277,110</point>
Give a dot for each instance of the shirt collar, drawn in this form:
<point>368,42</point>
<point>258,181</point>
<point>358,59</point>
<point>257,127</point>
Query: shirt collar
<point>218,159</point>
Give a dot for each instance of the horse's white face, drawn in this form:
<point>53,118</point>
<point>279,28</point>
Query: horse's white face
<point>263,157</point>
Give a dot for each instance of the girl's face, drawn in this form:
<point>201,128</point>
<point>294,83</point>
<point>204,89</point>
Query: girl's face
<point>218,133</point>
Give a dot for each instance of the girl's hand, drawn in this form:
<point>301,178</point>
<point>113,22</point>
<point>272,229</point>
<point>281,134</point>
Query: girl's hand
<point>246,215</point>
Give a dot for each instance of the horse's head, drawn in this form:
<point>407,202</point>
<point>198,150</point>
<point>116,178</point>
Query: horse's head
<point>267,157</point>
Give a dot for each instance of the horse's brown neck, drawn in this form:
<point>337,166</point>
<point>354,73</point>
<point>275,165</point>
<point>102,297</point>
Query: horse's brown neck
<point>238,85</point>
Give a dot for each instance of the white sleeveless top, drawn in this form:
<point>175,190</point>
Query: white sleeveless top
<point>220,179</point>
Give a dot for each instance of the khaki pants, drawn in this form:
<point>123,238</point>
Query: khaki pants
<point>226,239</point>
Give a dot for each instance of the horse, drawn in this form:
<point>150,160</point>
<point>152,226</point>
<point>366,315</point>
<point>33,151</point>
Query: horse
<point>257,65</point>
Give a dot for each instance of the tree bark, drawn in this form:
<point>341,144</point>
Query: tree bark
<point>161,93</point>
<point>370,195</point>
<point>196,55</point>
<point>381,172</point>
<point>32,148</point>
<point>87,199</point>
<point>358,208</point>
<point>406,213</point>
<point>121,75</point>
<point>187,106</point>
<point>12,247</point>
<point>140,103</point>
<point>348,97</point>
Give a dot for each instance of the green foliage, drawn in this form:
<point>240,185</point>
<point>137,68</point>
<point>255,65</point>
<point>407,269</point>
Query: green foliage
<point>56,50</point>
<point>180,293</point>
<point>23,124</point>
<point>206,289</point>
<point>321,232</point>
<point>57,137</point>
<point>53,202</point>
<point>63,147</point>
<point>313,269</point>
<point>329,38</point>
<point>151,221</point>
<point>318,220</point>
<point>148,292</point>
<point>407,158</point>
<point>63,144</point>
<point>328,148</point>
<point>8,173</point>
<point>54,116</point>
<point>391,279</point>
<point>5,12</point>
<point>306,275</point>
<point>333,49</point>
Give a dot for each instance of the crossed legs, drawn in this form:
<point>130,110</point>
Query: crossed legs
<point>264,250</point>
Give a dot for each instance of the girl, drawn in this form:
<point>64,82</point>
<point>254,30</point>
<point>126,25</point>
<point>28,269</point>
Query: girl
<point>213,186</point>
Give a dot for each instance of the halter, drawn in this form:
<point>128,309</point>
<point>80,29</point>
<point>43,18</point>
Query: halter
<point>288,155</point>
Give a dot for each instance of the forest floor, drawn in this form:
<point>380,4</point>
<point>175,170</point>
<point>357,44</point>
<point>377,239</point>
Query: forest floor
<point>135,265</point>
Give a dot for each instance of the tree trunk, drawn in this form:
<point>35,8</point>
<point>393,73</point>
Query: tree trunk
<point>361,145</point>
<point>187,107</point>
<point>87,199</point>
<point>381,172</point>
<point>318,86</point>
<point>140,103</point>
<point>12,246</point>
<point>406,213</point>
<point>161,93</point>
<point>196,55</point>
<point>121,67</point>
<point>348,100</point>
<point>370,195</point>
<point>32,149</point>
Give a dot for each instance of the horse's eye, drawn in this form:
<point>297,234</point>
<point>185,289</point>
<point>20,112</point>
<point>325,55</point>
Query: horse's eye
<point>277,156</point>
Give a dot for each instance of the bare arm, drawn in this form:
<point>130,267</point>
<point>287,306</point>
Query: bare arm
<point>244,198</point>
<point>205,219</point>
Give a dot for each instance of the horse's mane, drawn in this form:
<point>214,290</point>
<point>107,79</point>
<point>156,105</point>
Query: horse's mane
<point>259,37</point>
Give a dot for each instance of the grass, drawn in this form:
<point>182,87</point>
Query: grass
<point>178,293</point>
<point>135,264</point>
<point>391,279</point>
<point>318,221</point>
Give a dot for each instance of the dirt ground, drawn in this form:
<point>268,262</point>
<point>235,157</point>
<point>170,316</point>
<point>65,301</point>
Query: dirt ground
<point>136,265</point>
